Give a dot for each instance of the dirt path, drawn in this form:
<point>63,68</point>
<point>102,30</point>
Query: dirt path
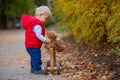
<point>14,61</point>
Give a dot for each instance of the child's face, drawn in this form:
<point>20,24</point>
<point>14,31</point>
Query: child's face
<point>43,17</point>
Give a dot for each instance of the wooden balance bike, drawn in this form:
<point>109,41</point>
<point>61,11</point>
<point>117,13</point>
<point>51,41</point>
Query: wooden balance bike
<point>51,64</point>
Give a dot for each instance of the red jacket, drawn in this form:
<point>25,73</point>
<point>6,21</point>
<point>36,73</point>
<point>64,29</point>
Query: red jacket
<point>28,22</point>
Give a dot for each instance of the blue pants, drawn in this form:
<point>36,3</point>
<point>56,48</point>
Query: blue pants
<point>35,54</point>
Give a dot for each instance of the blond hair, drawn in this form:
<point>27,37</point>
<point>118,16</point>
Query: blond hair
<point>42,10</point>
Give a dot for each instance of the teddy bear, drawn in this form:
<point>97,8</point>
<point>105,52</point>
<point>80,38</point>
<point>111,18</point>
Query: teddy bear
<point>56,43</point>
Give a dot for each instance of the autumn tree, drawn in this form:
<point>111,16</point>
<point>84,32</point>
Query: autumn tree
<point>90,20</point>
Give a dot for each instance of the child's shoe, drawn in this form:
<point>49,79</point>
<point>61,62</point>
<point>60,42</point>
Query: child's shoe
<point>40,71</point>
<point>31,70</point>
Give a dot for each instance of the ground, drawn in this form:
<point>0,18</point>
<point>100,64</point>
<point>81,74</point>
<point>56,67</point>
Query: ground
<point>79,61</point>
<point>14,61</point>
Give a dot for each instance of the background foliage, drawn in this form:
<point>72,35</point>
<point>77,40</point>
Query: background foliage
<point>16,7</point>
<point>90,20</point>
<point>11,11</point>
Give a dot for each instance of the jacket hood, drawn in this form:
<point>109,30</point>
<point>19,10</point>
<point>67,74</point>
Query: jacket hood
<point>27,20</point>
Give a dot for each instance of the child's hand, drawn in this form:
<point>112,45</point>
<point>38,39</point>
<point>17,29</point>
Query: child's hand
<point>47,40</point>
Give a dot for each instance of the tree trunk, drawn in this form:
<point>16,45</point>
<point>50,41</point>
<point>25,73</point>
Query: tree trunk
<point>3,22</point>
